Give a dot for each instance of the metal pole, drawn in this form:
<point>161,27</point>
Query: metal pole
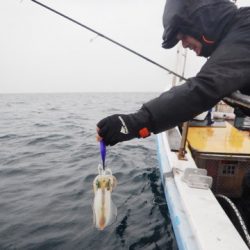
<point>182,150</point>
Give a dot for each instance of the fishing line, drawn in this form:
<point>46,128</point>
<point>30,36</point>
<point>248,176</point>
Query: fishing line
<point>109,39</point>
<point>92,39</point>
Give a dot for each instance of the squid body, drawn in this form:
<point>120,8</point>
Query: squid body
<point>104,210</point>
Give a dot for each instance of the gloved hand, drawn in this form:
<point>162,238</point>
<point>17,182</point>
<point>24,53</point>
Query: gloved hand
<point>119,127</point>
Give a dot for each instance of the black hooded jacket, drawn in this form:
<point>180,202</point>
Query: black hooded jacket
<point>226,70</point>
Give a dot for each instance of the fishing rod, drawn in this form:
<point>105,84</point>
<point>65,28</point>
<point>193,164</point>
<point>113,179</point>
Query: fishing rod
<point>108,38</point>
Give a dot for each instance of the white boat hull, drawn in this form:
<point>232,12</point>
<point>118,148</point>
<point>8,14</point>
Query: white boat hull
<point>198,220</point>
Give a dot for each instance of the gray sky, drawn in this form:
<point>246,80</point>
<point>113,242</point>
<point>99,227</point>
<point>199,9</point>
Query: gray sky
<point>42,52</point>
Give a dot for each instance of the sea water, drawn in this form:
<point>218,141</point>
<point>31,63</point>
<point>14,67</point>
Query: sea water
<point>48,160</point>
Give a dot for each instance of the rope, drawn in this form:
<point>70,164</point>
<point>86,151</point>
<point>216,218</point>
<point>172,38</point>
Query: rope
<point>109,39</point>
<point>239,217</point>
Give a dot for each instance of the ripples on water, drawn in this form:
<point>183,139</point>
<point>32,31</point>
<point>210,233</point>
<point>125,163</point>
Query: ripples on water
<point>48,160</point>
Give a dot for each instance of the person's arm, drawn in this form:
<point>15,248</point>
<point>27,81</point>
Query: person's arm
<point>227,70</point>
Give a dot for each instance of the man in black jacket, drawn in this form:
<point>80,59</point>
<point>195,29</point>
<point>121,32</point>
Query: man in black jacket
<point>212,28</point>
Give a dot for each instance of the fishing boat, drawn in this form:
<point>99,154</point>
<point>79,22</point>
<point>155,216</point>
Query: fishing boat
<point>203,164</point>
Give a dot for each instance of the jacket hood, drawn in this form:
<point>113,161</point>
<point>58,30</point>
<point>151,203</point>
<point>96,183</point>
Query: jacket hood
<point>205,20</point>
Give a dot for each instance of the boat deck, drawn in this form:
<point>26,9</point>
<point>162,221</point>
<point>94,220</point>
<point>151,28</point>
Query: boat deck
<point>221,140</point>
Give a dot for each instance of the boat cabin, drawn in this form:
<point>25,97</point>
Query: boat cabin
<point>224,151</point>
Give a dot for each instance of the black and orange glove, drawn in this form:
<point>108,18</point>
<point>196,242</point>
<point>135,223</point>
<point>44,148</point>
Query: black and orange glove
<point>120,127</point>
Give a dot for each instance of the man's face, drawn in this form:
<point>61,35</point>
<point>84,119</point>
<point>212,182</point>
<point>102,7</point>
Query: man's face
<point>190,42</point>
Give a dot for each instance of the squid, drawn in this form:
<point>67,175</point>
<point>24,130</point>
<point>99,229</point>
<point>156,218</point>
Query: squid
<point>104,210</point>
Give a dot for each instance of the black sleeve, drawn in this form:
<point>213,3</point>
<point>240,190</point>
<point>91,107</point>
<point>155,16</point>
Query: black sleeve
<point>227,70</point>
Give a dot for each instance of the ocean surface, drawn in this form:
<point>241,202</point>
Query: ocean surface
<point>48,161</point>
